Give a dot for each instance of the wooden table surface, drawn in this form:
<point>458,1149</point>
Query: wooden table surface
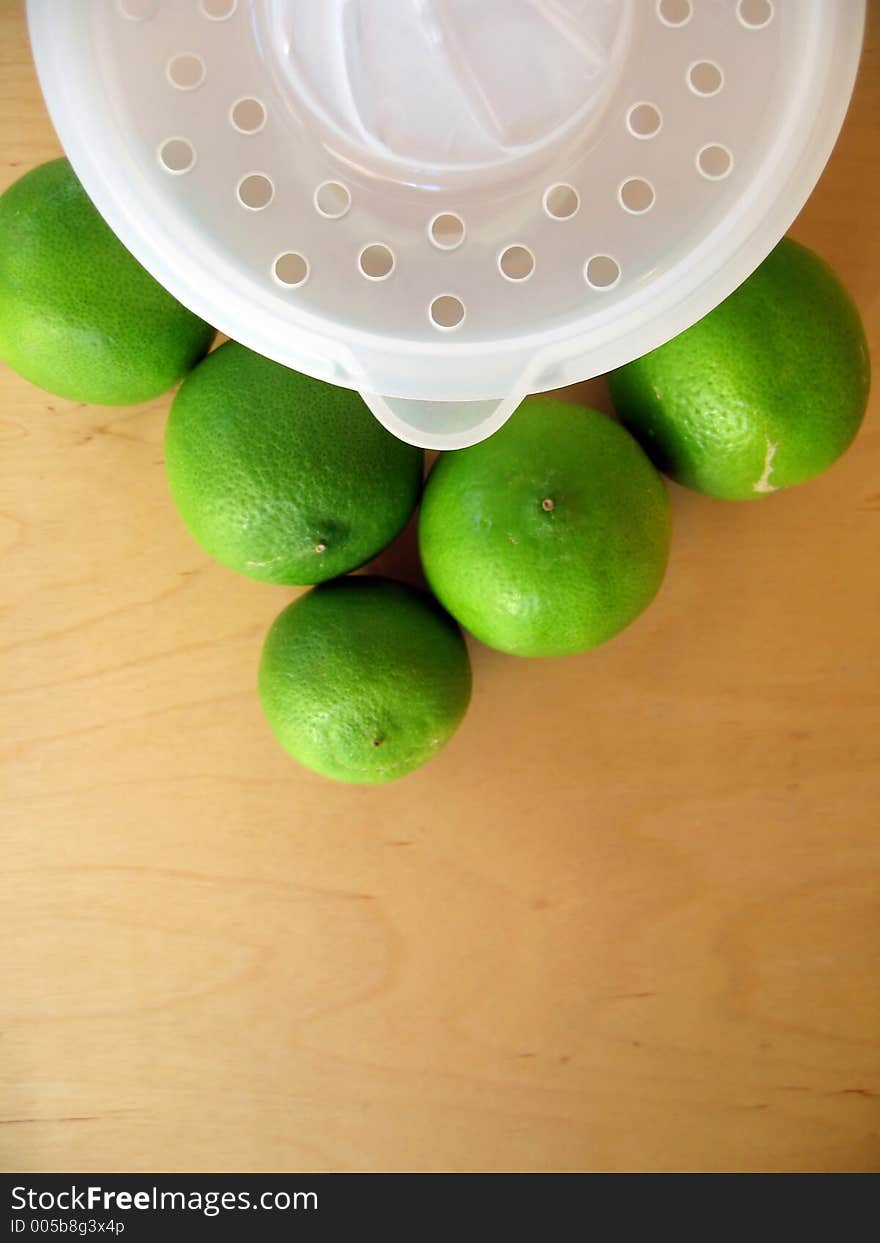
<point>629,919</point>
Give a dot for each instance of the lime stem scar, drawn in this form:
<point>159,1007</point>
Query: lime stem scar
<point>548,504</point>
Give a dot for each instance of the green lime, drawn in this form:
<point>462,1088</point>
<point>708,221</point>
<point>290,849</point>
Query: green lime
<point>548,538</point>
<point>281,477</point>
<point>78,315</point>
<point>364,680</point>
<point>765,392</point>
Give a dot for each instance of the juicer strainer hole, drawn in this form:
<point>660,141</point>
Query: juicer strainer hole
<point>675,12</point>
<point>447,312</point>
<point>644,120</point>
<point>255,191</point>
<point>186,72</point>
<point>714,161</point>
<point>177,155</point>
<point>332,199</point>
<point>602,272</point>
<point>636,196</point>
<point>291,269</point>
<point>376,261</point>
<point>138,10</point>
<point>248,116</point>
<point>218,10</point>
<point>705,77</point>
<point>755,14</point>
<point>446,230</point>
<point>516,263</point>
<point>561,202</point>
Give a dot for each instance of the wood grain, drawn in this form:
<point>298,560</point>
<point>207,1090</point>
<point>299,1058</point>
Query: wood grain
<point>630,919</point>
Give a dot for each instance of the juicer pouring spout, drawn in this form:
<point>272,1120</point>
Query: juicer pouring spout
<point>442,424</point>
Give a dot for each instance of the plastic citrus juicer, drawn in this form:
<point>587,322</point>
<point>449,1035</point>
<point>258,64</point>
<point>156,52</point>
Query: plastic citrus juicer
<point>448,204</point>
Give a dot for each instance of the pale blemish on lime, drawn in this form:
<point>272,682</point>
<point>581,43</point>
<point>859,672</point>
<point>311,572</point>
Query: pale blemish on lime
<point>764,485</point>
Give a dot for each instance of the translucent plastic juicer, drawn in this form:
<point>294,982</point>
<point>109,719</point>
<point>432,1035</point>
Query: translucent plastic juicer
<point>447,204</point>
